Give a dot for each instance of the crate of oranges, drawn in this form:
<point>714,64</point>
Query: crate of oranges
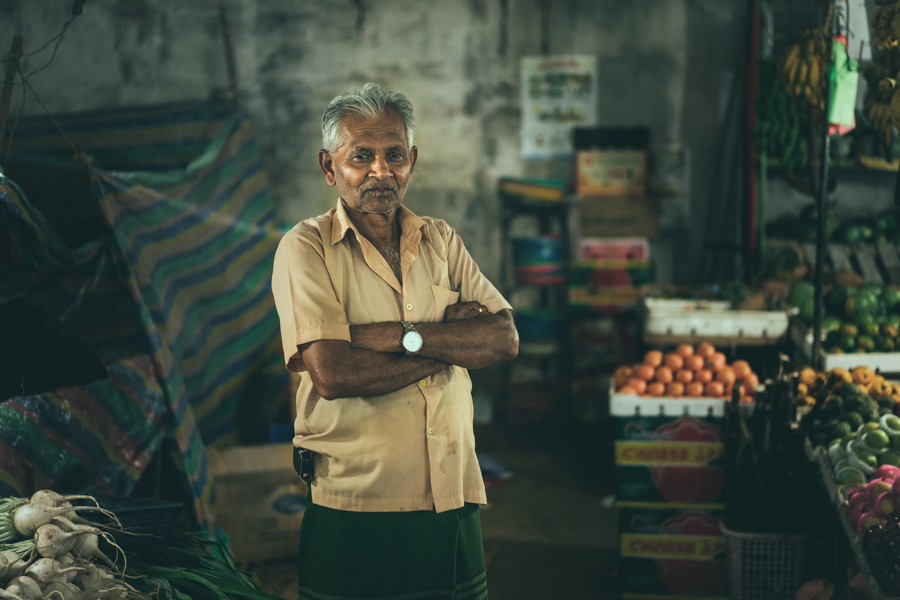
<point>687,372</point>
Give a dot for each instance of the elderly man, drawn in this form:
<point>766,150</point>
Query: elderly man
<point>383,312</point>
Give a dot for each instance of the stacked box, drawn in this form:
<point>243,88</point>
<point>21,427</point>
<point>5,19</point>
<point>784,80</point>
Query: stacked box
<point>669,490</point>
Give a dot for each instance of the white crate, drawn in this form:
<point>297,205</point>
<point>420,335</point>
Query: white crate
<point>883,362</point>
<point>698,320</point>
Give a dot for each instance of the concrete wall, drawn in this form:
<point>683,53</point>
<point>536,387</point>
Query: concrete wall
<point>663,63</point>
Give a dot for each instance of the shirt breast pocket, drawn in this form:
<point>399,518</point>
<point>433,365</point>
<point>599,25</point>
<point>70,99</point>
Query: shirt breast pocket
<point>442,299</point>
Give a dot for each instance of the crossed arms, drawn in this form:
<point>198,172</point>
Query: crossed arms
<point>373,363</point>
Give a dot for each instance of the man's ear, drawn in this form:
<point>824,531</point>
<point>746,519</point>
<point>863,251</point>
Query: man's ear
<point>326,163</point>
<point>413,157</point>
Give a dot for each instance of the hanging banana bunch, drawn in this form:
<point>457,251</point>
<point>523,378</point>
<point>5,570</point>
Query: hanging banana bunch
<point>804,69</point>
<point>885,116</point>
<point>780,121</point>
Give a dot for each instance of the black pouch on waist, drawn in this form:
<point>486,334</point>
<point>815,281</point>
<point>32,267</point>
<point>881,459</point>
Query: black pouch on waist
<point>304,463</point>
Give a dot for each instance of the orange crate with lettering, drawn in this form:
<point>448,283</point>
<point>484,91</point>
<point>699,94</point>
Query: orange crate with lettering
<point>669,449</point>
<point>670,550</point>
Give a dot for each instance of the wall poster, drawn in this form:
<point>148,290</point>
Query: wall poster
<point>558,93</point>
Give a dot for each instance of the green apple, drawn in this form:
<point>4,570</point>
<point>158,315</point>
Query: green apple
<point>877,439</point>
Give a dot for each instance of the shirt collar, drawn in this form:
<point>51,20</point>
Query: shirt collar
<point>411,226</point>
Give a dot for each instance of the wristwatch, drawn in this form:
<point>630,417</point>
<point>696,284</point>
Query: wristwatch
<point>411,339</point>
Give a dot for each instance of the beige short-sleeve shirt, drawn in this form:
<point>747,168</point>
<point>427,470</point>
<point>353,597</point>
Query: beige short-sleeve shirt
<point>412,449</point>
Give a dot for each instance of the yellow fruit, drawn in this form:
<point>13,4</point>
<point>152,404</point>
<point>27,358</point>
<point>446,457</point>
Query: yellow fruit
<point>808,376</point>
<point>896,389</point>
<point>802,389</point>
<point>844,373</point>
<point>880,388</point>
<point>863,388</point>
<point>863,375</point>
<point>807,401</point>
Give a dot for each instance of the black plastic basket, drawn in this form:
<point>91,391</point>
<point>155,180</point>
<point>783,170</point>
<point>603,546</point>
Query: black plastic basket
<point>145,521</point>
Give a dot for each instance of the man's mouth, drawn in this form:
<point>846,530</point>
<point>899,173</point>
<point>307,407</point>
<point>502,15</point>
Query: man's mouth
<point>380,190</point>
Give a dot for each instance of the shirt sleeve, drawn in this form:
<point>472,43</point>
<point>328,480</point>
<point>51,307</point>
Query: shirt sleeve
<point>468,278</point>
<point>307,305</point>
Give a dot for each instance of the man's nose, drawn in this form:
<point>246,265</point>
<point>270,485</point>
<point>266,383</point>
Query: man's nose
<point>380,168</point>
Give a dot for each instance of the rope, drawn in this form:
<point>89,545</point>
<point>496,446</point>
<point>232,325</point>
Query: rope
<point>79,155</point>
<point>15,56</point>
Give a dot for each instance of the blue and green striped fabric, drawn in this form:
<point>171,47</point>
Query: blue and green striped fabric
<point>179,304</point>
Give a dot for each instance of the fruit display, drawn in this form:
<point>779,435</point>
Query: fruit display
<point>687,372</point>
<point>781,122</point>
<point>881,544</point>
<point>804,68</point>
<point>863,319</point>
<point>883,227</point>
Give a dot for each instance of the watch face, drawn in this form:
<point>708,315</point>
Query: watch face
<point>412,341</point>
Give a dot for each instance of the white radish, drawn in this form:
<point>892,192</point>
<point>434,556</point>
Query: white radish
<point>6,560</point>
<point>29,517</point>
<point>62,591</point>
<point>50,541</point>
<point>26,587</point>
<point>87,547</point>
<point>7,595</point>
<point>47,570</point>
<point>17,568</point>
<point>51,498</point>
<point>66,561</point>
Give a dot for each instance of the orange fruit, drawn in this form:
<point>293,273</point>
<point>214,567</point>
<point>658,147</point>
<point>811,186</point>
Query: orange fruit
<point>863,375</point>
<point>674,361</point>
<point>741,369</point>
<point>752,381</point>
<point>694,363</point>
<point>664,374</point>
<point>621,375</point>
<point>726,376</point>
<point>653,358</point>
<point>657,388</point>
<point>747,390</point>
<point>638,384</point>
<point>675,389</point>
<point>705,349</point>
<point>715,389</point>
<point>645,372</point>
<point>695,388</point>
<point>715,361</point>
<point>684,376</point>
<point>684,350</point>
<point>627,390</point>
<point>703,376</point>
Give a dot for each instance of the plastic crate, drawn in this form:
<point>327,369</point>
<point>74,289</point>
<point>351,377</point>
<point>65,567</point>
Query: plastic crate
<point>764,566</point>
<point>151,520</point>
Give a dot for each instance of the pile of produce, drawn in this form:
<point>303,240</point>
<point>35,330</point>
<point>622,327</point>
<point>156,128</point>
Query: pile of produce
<point>688,371</point>
<point>802,227</point>
<point>875,502</point>
<point>864,319</point>
<point>48,551</point>
<point>881,546</point>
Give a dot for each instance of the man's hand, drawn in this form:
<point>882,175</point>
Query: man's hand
<point>463,311</point>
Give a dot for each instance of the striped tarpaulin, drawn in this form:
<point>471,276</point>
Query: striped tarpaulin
<point>183,277</point>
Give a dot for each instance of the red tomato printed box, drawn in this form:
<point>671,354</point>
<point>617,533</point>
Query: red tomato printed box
<point>668,449</point>
<point>672,550</point>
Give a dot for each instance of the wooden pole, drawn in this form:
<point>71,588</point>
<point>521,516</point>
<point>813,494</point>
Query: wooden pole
<point>12,67</point>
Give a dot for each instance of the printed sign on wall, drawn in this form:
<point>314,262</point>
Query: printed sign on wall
<point>558,93</point>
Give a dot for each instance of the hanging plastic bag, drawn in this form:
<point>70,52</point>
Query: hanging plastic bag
<point>843,75</point>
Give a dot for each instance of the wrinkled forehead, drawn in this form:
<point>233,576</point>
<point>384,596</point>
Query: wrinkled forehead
<point>387,129</point>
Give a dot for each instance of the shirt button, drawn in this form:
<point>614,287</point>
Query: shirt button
<point>430,430</point>
<point>409,307</point>
<point>423,382</point>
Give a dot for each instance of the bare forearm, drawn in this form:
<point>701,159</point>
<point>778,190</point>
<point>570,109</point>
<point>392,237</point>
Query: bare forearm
<point>472,344</point>
<point>348,373</point>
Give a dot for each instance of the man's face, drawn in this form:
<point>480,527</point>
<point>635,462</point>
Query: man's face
<point>372,167</point>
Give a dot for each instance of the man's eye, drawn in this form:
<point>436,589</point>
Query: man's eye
<point>395,155</point>
<point>361,157</point>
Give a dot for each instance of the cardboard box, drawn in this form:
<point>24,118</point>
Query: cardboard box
<point>260,500</point>
<point>674,457</point>
<point>670,550</point>
<point>610,173</point>
<point>633,216</point>
<point>617,248</point>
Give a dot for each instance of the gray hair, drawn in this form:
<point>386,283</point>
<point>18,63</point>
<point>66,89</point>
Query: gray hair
<point>370,102</point>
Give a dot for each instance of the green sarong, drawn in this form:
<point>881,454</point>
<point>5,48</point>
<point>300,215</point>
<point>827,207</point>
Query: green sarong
<point>419,555</point>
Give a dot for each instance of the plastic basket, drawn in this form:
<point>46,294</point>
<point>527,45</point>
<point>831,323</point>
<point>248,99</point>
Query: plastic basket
<point>151,520</point>
<point>764,566</point>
